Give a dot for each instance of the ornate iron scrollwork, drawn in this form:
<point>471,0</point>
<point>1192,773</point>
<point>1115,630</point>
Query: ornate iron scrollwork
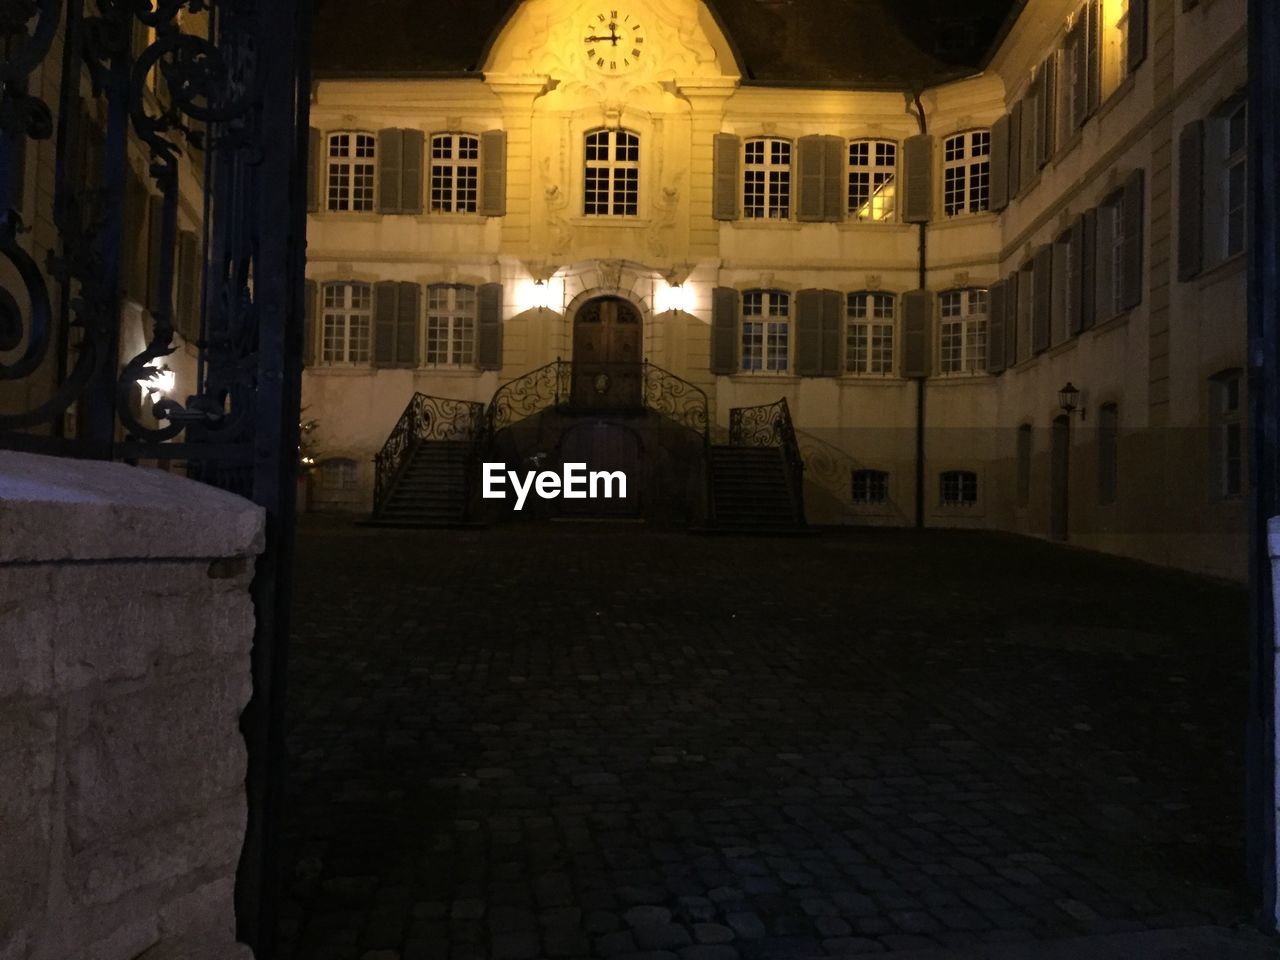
<point>425,418</point>
<point>521,398</point>
<point>676,399</point>
<point>769,425</point>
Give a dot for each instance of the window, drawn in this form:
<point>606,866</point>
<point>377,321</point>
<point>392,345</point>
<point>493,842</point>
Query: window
<point>1024,465</point>
<point>873,168</point>
<point>1235,177</point>
<point>963,331</point>
<point>455,173</point>
<point>612,174</point>
<point>869,333</point>
<point>338,475</point>
<point>451,324</point>
<point>766,330</point>
<point>959,488</point>
<point>348,323</point>
<point>1227,422</point>
<point>1110,257</point>
<point>966,173</point>
<point>1108,452</point>
<point>870,487</point>
<point>351,171</point>
<point>766,183</point>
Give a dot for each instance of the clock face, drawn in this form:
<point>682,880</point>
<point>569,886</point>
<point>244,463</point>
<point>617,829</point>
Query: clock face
<point>614,41</point>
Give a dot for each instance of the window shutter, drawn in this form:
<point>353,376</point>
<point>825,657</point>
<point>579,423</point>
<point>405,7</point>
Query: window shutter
<point>155,251</point>
<point>809,333</point>
<point>188,276</point>
<point>1076,43</point>
<point>493,176</point>
<point>1000,164</point>
<point>724,331</point>
<point>386,310</point>
<point>1011,320</point>
<point>1015,151</point>
<point>995,327</point>
<point>314,160</point>
<point>1093,54</point>
<point>832,326</point>
<point>408,309</point>
<point>413,143</point>
<point>726,152</point>
<point>918,156</point>
<point>917,310</point>
<point>310,311</point>
<point>1075,268</point>
<point>1137,41</point>
<point>1089,269</point>
<point>809,156</point>
<point>1048,109</point>
<point>1030,166</point>
<point>1132,216</point>
<point>1041,309</point>
<point>390,167</point>
<point>834,195</point>
<point>1191,200</point>
<point>489,326</point>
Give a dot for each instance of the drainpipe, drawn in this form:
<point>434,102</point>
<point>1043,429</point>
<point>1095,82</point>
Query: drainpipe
<point>923,267</point>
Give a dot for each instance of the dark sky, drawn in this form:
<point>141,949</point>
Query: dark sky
<point>861,42</point>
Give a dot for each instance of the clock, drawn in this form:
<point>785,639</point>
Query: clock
<point>614,42</point>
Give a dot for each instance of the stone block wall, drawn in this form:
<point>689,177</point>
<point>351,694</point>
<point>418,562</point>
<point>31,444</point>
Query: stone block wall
<point>125,630</point>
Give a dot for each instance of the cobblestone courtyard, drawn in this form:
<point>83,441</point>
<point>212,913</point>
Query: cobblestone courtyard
<point>580,741</point>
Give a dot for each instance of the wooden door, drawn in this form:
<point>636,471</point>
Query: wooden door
<point>607,369</point>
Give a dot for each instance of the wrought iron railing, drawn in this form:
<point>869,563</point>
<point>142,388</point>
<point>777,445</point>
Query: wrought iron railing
<point>677,399</point>
<point>424,418</point>
<point>544,388</point>
<point>770,425</point>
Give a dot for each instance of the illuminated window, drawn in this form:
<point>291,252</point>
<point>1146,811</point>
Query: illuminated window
<point>451,324</point>
<point>766,179</point>
<point>870,487</point>
<point>612,174</point>
<point>959,488</point>
<point>348,323</point>
<point>352,164</point>
<point>873,169</point>
<point>766,331</point>
<point>455,173</point>
<point>966,173</point>
<point>869,333</point>
<point>963,331</point>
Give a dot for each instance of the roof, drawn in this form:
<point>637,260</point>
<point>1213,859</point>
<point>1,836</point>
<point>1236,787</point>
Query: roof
<point>856,43</point>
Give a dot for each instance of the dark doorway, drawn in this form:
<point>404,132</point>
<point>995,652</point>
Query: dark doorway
<point>604,447</point>
<point>1059,475</point>
<point>607,356</point>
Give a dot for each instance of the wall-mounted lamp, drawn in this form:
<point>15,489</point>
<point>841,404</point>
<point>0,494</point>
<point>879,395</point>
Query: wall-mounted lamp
<point>1069,400</point>
<point>159,383</point>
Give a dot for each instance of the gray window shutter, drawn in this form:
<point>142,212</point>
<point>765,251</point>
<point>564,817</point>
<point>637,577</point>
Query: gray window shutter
<point>1048,109</point>
<point>1191,200</point>
<point>727,151</point>
<point>310,317</point>
<point>1030,167</point>
<point>493,176</point>
<point>1075,268</point>
<point>995,327</point>
<point>1093,54</point>
<point>809,157</point>
<point>832,327</point>
<point>314,161</point>
<point>408,310</point>
<point>834,194</point>
<point>724,331</point>
<point>390,170</point>
<point>918,157</point>
<point>1015,151</point>
<point>1089,269</point>
<point>1011,320</point>
<point>917,314</point>
<point>489,326</point>
<point>1042,308</point>
<point>188,277</point>
<point>386,312</point>
<point>1133,213</point>
<point>809,333</point>
<point>1137,40</point>
<point>1000,164</point>
<point>155,251</point>
<point>413,143</point>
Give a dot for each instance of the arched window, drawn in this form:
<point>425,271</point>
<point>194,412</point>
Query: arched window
<point>766,331</point>
<point>869,319</point>
<point>455,173</point>
<point>959,488</point>
<point>351,169</point>
<point>873,175</point>
<point>766,179</point>
<point>612,186</point>
<point>347,332</point>
<point>962,331</point>
<point>966,173</point>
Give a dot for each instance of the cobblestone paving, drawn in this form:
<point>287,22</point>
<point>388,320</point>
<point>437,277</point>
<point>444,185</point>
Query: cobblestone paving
<point>579,741</point>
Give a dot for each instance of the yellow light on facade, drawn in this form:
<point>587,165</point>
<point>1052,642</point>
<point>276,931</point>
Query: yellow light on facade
<point>673,296</point>
<point>534,294</point>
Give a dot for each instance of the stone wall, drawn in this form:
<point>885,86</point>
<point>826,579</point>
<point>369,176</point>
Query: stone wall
<point>125,630</point>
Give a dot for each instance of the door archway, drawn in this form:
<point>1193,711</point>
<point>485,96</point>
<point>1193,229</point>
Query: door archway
<point>607,361</point>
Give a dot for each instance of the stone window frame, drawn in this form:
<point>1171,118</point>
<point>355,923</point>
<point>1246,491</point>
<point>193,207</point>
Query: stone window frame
<point>351,165</point>
<point>768,180</point>
<point>454,177</point>
<point>455,322</point>
<point>871,318</point>
<point>758,345</point>
<point>620,175</point>
<point>966,173</point>
<point>956,309</point>
<point>346,333</point>
<point>880,174</point>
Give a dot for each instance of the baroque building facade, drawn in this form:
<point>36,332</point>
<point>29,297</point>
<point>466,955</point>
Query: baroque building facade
<point>919,272</point>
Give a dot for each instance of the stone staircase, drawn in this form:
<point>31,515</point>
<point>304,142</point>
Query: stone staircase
<point>432,490</point>
<point>751,490</point>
